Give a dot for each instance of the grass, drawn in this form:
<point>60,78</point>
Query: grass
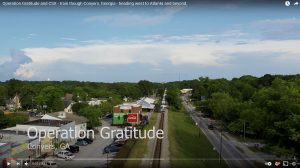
<point>189,147</point>
<point>136,149</point>
<point>140,148</point>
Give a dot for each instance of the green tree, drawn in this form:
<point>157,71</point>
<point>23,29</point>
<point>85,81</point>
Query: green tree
<point>222,106</point>
<point>52,97</point>
<point>3,95</point>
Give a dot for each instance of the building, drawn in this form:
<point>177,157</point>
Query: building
<point>186,91</point>
<point>96,101</point>
<point>68,102</point>
<point>4,150</point>
<point>146,103</point>
<point>13,104</point>
<point>79,121</point>
<point>14,144</point>
<point>120,113</point>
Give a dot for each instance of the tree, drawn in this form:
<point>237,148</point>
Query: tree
<point>146,87</point>
<point>222,105</point>
<point>3,95</point>
<point>51,97</point>
<point>173,97</point>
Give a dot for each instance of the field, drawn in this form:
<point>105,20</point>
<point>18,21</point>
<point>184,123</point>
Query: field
<point>189,147</point>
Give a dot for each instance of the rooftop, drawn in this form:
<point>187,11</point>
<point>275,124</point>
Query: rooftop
<point>50,123</point>
<point>64,116</point>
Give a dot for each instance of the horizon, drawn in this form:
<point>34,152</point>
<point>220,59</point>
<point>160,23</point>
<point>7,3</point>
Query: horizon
<point>229,79</point>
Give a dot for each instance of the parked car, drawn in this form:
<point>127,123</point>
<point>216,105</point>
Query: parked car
<point>50,164</point>
<point>73,148</point>
<point>120,140</point>
<point>81,143</point>
<point>88,140</point>
<point>110,115</point>
<point>65,154</point>
<point>114,147</point>
<point>210,126</point>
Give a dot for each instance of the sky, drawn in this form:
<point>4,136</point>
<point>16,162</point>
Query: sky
<point>128,44</point>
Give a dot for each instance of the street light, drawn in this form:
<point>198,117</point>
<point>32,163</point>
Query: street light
<point>198,128</point>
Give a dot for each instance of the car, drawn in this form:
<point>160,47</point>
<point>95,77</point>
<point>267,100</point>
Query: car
<point>65,154</point>
<point>110,115</point>
<point>114,147</point>
<point>81,143</point>
<point>88,140</point>
<point>121,141</point>
<point>210,126</point>
<point>73,149</point>
<point>50,164</point>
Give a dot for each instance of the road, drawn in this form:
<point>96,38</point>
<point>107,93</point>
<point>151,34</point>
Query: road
<point>232,156</point>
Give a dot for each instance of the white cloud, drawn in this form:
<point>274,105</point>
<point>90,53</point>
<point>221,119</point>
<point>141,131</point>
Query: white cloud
<point>26,71</point>
<point>68,38</point>
<point>135,19</point>
<point>32,34</point>
<point>207,54</point>
<point>278,22</point>
<point>4,59</point>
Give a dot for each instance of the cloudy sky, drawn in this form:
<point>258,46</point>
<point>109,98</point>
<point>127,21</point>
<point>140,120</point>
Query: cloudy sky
<point>157,44</point>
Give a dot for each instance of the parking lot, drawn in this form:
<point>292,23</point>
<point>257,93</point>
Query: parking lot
<point>90,155</point>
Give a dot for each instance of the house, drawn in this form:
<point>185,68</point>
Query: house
<point>146,103</point>
<point>186,91</point>
<point>96,101</point>
<point>13,104</point>
<point>68,102</point>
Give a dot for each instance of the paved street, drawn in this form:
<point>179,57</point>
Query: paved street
<point>90,155</point>
<point>233,157</point>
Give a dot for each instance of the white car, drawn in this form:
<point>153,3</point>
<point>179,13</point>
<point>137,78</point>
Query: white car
<point>50,164</point>
<point>65,154</point>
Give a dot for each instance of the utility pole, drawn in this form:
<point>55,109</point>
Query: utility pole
<point>31,103</point>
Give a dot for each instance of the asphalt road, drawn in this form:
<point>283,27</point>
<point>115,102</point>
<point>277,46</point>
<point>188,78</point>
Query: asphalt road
<point>232,156</point>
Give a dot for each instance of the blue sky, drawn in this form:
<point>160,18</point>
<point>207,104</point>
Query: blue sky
<point>157,44</point>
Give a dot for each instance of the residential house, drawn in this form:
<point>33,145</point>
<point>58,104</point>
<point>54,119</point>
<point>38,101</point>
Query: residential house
<point>68,102</point>
<point>13,104</point>
<point>186,91</point>
<point>96,101</point>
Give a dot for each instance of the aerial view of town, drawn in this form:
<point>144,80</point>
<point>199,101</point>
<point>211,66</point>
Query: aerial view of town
<point>142,84</point>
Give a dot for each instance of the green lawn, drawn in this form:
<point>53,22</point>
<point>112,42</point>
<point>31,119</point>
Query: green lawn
<point>187,148</point>
<point>140,147</point>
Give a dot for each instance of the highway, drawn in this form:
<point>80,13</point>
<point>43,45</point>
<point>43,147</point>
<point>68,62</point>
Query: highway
<point>232,156</point>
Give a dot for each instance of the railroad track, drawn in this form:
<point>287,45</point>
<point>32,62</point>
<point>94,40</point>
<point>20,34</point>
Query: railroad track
<point>158,146</point>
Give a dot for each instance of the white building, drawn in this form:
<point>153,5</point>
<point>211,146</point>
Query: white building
<point>96,101</point>
<point>146,103</point>
<point>185,91</point>
<point>79,121</point>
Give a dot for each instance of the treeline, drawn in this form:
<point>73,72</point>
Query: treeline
<point>269,106</point>
<point>50,92</point>
<point>47,96</point>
